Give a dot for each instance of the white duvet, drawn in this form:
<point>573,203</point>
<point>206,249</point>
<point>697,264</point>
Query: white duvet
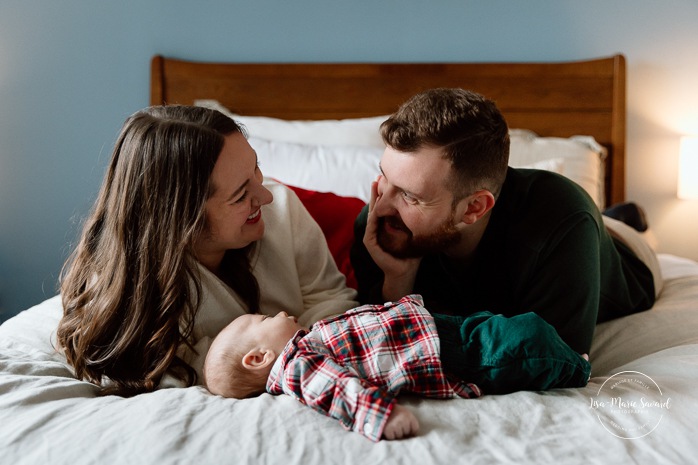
<point>646,364</point>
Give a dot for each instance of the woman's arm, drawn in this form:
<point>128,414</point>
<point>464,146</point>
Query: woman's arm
<point>323,286</point>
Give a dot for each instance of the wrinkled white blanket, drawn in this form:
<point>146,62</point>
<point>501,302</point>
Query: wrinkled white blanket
<point>48,417</point>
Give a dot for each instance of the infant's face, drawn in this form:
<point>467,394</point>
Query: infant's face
<point>274,332</point>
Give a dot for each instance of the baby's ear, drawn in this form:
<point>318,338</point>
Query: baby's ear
<point>258,358</point>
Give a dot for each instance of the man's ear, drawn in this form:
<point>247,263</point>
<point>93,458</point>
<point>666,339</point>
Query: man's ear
<point>258,358</point>
<point>477,205</point>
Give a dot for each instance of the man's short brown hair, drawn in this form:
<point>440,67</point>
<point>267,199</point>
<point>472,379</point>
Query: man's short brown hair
<point>468,127</point>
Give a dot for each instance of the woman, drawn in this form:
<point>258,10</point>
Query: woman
<point>176,247</point>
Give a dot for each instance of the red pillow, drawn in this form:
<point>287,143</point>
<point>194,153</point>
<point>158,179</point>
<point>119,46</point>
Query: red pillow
<point>335,215</point>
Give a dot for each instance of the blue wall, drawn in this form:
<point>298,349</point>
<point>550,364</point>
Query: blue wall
<point>72,70</point>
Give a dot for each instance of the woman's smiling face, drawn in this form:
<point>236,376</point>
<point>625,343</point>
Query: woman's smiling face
<point>233,211</point>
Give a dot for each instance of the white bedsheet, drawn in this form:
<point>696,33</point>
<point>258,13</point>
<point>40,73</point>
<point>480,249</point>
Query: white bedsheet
<point>48,417</point>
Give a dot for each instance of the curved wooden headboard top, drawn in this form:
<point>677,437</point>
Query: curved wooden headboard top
<point>552,99</point>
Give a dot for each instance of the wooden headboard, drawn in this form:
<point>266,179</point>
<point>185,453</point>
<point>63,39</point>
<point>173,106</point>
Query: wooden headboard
<point>551,99</point>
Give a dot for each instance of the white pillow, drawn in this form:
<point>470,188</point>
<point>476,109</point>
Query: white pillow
<point>583,158</point>
<point>348,152</point>
<point>357,132</point>
<point>556,165</point>
<point>347,171</point>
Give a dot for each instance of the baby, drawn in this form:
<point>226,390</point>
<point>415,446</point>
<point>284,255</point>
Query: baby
<point>352,367</point>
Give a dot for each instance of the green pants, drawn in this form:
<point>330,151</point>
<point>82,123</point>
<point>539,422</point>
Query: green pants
<point>502,355</point>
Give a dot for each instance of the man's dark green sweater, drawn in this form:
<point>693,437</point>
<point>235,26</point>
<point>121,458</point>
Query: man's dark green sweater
<point>545,250</point>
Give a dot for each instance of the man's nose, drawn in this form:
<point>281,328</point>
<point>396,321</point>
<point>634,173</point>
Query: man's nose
<point>384,202</point>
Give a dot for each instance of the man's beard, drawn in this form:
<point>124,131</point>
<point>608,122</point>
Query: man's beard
<point>406,245</point>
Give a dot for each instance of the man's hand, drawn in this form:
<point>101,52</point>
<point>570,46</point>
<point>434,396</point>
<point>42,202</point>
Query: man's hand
<point>401,423</point>
<point>399,273</point>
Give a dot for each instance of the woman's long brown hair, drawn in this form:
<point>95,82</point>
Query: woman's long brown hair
<point>131,289</point>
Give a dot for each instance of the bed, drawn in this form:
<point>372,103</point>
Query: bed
<point>314,127</point>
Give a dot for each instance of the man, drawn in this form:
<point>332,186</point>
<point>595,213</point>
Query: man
<point>450,220</point>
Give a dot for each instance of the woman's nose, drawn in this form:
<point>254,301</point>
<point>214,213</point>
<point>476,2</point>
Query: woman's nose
<point>263,196</point>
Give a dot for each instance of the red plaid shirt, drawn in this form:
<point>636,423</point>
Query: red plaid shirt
<point>352,366</point>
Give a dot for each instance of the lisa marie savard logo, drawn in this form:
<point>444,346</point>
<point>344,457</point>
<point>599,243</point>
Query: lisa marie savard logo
<point>630,405</point>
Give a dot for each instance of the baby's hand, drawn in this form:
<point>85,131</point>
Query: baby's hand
<point>401,423</point>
